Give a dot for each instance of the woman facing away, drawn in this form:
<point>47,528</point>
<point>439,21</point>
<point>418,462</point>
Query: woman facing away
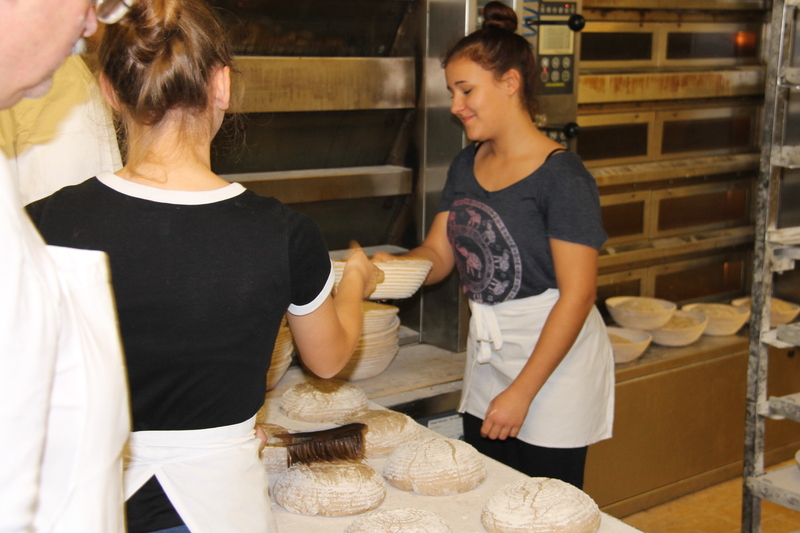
<point>203,271</point>
<point>520,219</point>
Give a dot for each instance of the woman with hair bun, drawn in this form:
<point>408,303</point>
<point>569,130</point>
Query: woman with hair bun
<point>203,271</point>
<point>520,219</point>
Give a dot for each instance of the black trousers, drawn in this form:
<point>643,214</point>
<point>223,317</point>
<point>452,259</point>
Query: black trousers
<point>566,464</point>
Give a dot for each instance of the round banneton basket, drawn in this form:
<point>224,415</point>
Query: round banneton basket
<point>374,353</point>
<point>780,311</point>
<point>682,329</point>
<point>638,312</point>
<point>723,319</point>
<point>281,356</point>
<point>402,277</point>
<point>628,344</point>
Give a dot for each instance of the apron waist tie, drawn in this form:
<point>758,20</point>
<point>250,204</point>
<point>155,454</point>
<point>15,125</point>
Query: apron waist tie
<point>487,331</point>
<point>479,351</point>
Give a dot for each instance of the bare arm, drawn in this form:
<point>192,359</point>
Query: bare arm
<point>576,277</point>
<point>327,336</point>
<point>435,248</point>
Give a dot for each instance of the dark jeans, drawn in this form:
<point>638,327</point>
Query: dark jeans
<point>178,529</point>
<point>566,464</point>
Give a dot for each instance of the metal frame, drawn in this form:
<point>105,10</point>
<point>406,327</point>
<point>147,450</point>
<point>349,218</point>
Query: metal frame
<point>757,485</point>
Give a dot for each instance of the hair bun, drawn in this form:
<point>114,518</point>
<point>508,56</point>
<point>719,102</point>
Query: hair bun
<point>498,15</point>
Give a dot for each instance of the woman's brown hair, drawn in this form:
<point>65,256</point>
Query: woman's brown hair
<point>497,48</point>
<point>161,57</point>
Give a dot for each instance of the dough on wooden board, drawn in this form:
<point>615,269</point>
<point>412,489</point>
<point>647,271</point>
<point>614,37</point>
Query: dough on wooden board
<point>322,400</point>
<point>435,466</point>
<point>386,430</point>
<point>540,505</point>
<point>338,488</point>
<point>403,520</point>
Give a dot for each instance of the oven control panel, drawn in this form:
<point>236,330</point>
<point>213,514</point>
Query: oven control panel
<point>549,27</point>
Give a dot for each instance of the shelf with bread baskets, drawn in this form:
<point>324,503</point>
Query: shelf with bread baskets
<point>776,249</point>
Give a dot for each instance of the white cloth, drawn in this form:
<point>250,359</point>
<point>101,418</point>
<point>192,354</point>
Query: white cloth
<point>575,406</point>
<point>63,138</point>
<point>64,414</point>
<point>213,477</point>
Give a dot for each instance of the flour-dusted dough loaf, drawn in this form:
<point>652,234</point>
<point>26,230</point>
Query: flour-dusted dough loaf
<point>339,488</point>
<point>275,458</point>
<point>435,466</point>
<point>386,430</point>
<point>540,505</point>
<point>323,400</point>
<point>403,520</point>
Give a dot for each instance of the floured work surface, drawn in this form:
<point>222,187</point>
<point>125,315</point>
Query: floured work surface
<point>462,512</point>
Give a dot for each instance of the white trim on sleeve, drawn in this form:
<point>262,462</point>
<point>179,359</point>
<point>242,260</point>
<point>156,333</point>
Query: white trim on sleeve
<point>300,310</point>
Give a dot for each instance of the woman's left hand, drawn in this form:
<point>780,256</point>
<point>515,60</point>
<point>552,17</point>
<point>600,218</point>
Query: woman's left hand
<point>262,436</point>
<point>505,414</point>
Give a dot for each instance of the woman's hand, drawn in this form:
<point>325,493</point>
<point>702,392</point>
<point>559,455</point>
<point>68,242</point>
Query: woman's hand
<point>359,264</point>
<point>383,257</point>
<point>262,436</point>
<point>505,414</point>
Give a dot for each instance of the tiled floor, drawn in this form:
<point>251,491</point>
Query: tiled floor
<point>716,509</point>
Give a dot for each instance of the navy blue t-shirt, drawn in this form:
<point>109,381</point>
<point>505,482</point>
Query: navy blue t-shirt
<point>500,239</point>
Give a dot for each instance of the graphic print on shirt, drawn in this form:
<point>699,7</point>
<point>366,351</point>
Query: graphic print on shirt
<point>486,255</point>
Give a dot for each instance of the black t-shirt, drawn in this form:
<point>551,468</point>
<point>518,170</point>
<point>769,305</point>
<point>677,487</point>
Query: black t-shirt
<point>500,239</point>
<point>201,282</point>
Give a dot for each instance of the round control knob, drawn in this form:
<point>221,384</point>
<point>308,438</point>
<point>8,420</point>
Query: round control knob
<point>571,130</point>
<point>576,22</point>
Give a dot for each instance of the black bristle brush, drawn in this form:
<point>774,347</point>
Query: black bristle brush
<point>341,443</point>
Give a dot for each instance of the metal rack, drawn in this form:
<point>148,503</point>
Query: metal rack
<point>776,250</point>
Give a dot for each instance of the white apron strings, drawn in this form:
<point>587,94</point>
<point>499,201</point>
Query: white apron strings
<point>575,406</point>
<point>213,477</point>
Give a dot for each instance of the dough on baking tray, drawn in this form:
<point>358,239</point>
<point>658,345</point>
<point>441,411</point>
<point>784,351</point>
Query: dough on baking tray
<point>435,466</point>
<point>338,488</point>
<point>386,430</point>
<point>275,458</point>
<point>322,400</point>
<point>540,505</point>
<point>403,520</point>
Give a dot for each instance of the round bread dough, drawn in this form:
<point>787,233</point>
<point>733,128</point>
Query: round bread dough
<point>322,400</point>
<point>338,488</point>
<point>540,505</point>
<point>275,458</point>
<point>403,520</point>
<point>435,466</point>
<point>386,430</point>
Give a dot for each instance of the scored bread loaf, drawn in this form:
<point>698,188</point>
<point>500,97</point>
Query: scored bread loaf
<point>403,520</point>
<point>540,505</point>
<point>386,430</point>
<point>338,488</point>
<point>435,466</point>
<point>322,400</point>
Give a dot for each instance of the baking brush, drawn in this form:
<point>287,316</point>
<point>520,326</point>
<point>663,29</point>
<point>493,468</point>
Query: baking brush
<point>341,443</point>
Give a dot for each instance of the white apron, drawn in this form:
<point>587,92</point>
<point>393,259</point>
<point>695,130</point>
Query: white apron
<point>213,477</point>
<point>81,486</point>
<point>575,406</point>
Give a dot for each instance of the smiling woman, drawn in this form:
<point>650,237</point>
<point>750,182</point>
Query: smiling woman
<point>520,220</point>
